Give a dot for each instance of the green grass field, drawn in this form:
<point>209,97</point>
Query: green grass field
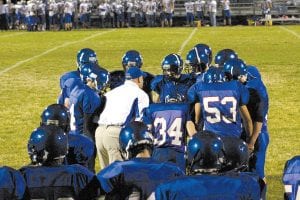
<point>31,64</point>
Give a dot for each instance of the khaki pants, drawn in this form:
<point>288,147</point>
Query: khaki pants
<point>107,143</point>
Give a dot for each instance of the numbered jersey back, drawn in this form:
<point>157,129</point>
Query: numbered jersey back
<point>168,124</point>
<point>291,179</point>
<point>220,104</point>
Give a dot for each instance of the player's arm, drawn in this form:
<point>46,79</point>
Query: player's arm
<point>154,97</point>
<point>190,127</point>
<point>197,113</point>
<point>257,114</point>
<point>247,122</point>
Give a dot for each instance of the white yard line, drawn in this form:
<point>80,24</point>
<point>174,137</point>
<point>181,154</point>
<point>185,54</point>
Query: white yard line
<point>51,50</point>
<point>186,41</point>
<point>290,31</point>
<point>12,34</point>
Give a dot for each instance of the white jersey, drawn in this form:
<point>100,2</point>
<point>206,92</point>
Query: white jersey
<point>102,9</point>
<point>69,8</point>
<point>129,7</point>
<point>42,9</point>
<point>53,9</point>
<point>189,7</point>
<point>168,6</point>
<point>226,4</point>
<point>150,7</point>
<point>83,8</point>
<point>212,7</point>
<point>199,5</point>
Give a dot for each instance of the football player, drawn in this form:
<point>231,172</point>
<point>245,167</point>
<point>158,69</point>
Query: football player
<point>70,79</point>
<point>172,82</point>
<point>81,149</point>
<point>258,106</point>
<point>206,157</point>
<point>198,61</point>
<point>139,174</point>
<point>130,58</point>
<point>168,121</point>
<point>224,55</point>
<point>222,105</point>
<point>12,184</point>
<point>291,179</point>
<point>85,101</point>
<point>47,177</point>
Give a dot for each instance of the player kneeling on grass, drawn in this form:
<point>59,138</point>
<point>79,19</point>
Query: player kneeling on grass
<point>138,175</point>
<point>206,159</point>
<point>46,177</point>
<point>81,149</point>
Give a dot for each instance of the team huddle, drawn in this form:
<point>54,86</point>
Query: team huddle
<point>197,131</point>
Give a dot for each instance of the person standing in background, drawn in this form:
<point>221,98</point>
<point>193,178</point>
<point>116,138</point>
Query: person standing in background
<point>226,12</point>
<point>212,9</point>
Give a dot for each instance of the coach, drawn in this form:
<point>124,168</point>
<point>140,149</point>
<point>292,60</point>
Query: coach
<point>123,104</point>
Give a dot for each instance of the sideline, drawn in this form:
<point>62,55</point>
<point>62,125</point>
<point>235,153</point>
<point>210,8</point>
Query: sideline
<point>51,50</point>
<point>290,31</point>
<point>186,41</point>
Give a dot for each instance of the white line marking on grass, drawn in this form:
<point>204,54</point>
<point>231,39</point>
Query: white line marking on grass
<point>290,31</point>
<point>187,40</point>
<point>12,34</point>
<point>50,50</point>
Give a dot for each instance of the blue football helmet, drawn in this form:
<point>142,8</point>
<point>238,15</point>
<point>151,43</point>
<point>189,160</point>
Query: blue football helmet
<point>172,65</point>
<point>134,138</point>
<point>213,75</point>
<point>197,60</point>
<point>132,58</point>
<point>204,48</point>
<point>96,74</point>
<point>56,114</point>
<point>47,143</point>
<point>81,149</point>
<point>236,154</point>
<point>225,55</point>
<point>86,55</point>
<point>234,69</point>
<point>205,153</point>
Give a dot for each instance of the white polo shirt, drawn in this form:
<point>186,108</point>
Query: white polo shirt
<point>121,101</point>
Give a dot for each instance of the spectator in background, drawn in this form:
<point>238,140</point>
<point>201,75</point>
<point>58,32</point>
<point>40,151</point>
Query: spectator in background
<point>266,7</point>
<point>226,12</point>
<point>168,10</point>
<point>150,13</point>
<point>189,9</point>
<point>3,19</point>
<point>200,8</point>
<point>212,9</point>
<point>103,11</point>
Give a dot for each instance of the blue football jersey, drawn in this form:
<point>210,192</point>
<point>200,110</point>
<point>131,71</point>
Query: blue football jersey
<point>291,179</point>
<point>212,187</point>
<point>220,104</point>
<point>259,86</point>
<point>165,87</point>
<point>138,176</point>
<point>83,100</point>
<point>68,75</point>
<point>12,184</point>
<point>67,82</point>
<point>168,124</point>
<point>81,149</point>
<point>61,182</point>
